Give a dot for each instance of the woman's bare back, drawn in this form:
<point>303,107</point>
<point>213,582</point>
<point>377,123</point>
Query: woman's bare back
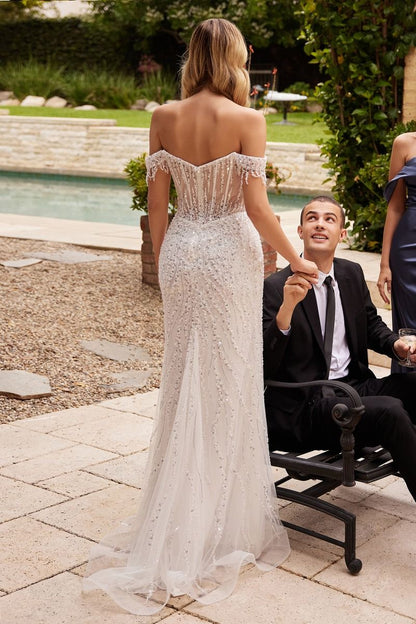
<point>202,128</point>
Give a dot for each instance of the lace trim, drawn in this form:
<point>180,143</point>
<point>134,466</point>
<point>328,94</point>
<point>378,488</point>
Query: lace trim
<point>251,166</point>
<point>154,162</point>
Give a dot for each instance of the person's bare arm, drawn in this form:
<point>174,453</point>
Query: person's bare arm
<point>253,143</point>
<point>395,211</point>
<point>158,191</point>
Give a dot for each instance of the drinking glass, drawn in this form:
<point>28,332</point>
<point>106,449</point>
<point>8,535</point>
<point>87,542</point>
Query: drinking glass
<point>408,335</point>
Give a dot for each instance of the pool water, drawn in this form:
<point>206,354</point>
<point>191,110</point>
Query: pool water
<point>104,200</point>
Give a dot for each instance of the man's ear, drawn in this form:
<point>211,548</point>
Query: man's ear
<point>300,232</point>
<point>343,234</point>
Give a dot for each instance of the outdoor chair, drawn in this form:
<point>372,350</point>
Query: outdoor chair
<point>331,468</point>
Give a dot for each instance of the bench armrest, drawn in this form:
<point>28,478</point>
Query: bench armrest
<point>346,416</point>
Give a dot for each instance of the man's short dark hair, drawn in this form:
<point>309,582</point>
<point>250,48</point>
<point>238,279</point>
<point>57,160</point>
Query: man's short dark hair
<point>324,199</point>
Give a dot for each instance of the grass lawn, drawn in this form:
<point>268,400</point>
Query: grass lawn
<point>305,129</point>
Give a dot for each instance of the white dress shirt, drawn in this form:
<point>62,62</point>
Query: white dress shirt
<point>341,357</point>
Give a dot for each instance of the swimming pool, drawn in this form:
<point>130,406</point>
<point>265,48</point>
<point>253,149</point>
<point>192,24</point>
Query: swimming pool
<point>104,200</point>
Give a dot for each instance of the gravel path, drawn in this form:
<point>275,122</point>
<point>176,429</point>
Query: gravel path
<point>46,310</point>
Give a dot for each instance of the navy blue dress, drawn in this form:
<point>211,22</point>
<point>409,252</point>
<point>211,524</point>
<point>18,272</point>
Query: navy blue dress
<point>403,256</point>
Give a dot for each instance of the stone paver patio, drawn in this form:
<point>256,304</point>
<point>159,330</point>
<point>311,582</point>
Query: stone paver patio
<point>68,477</point>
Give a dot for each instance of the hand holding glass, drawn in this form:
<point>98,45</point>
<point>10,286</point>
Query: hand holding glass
<point>409,337</point>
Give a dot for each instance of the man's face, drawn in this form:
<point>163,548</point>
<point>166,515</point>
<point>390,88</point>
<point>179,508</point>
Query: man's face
<point>321,228</point>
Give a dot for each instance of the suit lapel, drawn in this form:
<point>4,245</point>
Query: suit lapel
<point>346,290</point>
<point>311,312</point>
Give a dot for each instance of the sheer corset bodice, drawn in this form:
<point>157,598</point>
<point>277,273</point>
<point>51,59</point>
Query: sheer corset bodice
<point>209,191</point>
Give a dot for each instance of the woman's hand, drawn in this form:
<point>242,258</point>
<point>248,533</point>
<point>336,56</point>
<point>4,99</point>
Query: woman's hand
<point>384,283</point>
<point>308,268</point>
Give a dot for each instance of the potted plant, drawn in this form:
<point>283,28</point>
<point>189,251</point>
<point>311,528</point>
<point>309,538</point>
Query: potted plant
<point>136,177</point>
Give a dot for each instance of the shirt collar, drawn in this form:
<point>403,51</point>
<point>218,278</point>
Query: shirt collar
<point>322,276</point>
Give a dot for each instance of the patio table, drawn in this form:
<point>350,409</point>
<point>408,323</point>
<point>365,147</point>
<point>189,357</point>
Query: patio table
<point>286,99</point>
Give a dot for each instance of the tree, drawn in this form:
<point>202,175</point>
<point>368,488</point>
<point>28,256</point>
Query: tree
<point>360,47</point>
<point>261,21</point>
<point>15,9</point>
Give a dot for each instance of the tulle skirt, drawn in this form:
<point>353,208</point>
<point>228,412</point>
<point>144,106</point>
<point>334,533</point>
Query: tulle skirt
<point>209,505</point>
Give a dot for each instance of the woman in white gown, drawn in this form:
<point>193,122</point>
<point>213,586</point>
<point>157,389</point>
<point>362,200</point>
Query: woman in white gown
<point>209,505</point>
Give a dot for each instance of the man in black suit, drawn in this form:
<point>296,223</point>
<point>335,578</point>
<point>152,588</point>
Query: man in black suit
<point>294,314</point>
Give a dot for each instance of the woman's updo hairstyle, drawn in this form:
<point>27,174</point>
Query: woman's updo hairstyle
<point>216,60</point>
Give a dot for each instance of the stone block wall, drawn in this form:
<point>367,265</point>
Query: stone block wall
<point>98,147</point>
<point>89,147</point>
<point>302,165</point>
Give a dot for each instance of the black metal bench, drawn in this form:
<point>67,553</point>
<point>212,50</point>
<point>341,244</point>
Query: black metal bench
<point>332,468</point>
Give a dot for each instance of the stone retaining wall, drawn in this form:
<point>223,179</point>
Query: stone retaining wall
<point>98,147</point>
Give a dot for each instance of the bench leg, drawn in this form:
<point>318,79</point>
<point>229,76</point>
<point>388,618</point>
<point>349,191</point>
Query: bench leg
<point>353,564</point>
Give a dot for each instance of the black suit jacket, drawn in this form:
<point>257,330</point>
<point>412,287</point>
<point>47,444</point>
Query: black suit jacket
<point>299,356</point>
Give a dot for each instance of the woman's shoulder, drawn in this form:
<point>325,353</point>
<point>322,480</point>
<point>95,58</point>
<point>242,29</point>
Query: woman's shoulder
<point>405,139</point>
<point>404,148</point>
<point>164,110</point>
<point>252,115</point>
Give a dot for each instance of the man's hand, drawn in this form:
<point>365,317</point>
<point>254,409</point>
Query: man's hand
<point>294,291</point>
<point>405,351</point>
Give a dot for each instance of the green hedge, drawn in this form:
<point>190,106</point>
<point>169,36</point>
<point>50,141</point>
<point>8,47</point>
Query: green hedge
<point>69,42</point>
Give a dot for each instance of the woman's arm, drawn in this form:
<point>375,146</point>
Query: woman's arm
<point>395,210</point>
<point>253,143</point>
<point>158,191</point>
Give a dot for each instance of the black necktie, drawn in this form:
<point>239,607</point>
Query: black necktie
<point>329,320</point>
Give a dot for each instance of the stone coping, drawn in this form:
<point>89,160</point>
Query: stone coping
<point>80,121</point>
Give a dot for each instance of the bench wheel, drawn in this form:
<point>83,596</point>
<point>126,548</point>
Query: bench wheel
<point>354,566</point>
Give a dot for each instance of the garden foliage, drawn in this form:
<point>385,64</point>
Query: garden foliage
<point>360,47</point>
<point>69,42</point>
<point>98,87</point>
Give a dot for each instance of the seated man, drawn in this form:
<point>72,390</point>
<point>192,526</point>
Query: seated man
<point>294,313</point>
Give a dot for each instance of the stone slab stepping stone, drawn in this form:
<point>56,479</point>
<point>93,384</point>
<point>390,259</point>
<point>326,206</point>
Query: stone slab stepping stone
<point>68,256</point>
<point>129,380</point>
<point>19,264</point>
<point>116,351</point>
<point>20,384</point>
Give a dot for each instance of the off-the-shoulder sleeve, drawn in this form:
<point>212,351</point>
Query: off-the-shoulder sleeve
<point>407,172</point>
<point>390,186</point>
<point>251,166</point>
<point>154,162</point>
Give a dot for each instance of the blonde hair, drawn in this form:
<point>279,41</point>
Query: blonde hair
<point>215,60</point>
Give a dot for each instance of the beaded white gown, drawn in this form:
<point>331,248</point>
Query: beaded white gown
<point>209,504</point>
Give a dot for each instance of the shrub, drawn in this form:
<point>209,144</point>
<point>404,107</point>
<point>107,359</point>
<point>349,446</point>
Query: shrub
<point>360,47</point>
<point>31,77</point>
<point>136,176</point>
<point>158,86</point>
<point>368,225</point>
<point>101,88</point>
<point>274,177</point>
<point>67,42</point>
